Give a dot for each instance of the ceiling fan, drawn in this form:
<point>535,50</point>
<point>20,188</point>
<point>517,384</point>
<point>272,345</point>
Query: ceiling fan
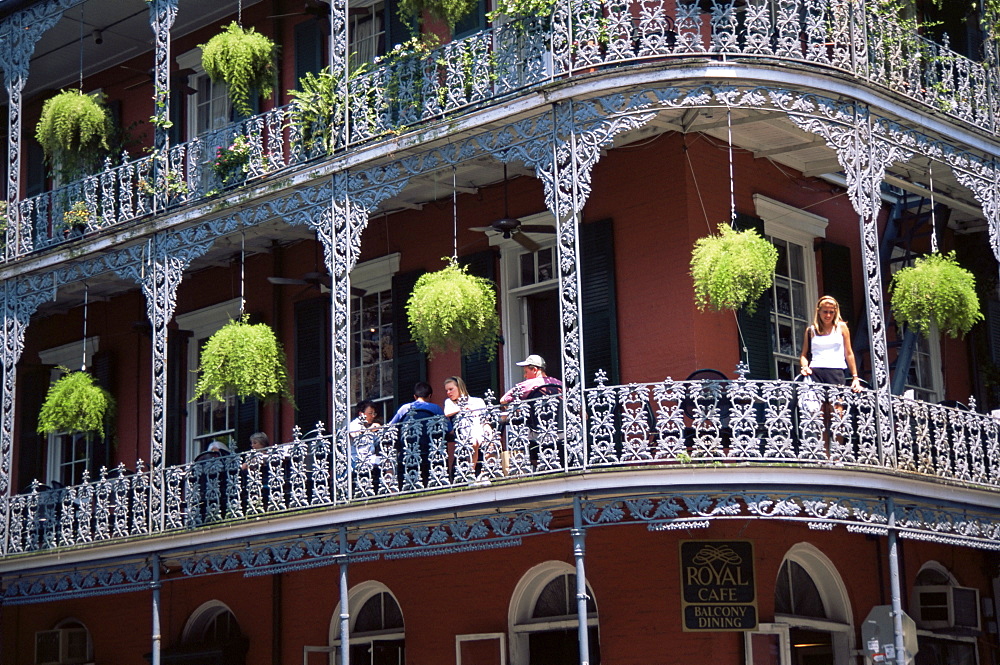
<point>512,228</point>
<point>319,279</point>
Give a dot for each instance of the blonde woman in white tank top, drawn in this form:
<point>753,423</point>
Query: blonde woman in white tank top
<point>826,349</point>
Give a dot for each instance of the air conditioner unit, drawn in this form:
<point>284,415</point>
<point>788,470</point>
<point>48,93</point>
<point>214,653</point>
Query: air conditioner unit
<point>61,646</point>
<point>944,606</point>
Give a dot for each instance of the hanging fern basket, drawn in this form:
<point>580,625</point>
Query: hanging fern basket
<point>732,269</point>
<point>244,60</point>
<point>451,310</point>
<point>936,289</point>
<point>245,360</point>
<point>75,403</point>
<point>73,131</point>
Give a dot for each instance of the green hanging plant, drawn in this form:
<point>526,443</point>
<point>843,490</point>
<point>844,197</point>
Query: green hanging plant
<point>732,269</point>
<point>451,310</point>
<point>75,403</point>
<point>244,359</point>
<point>73,132</point>
<point>244,60</point>
<point>449,11</point>
<point>935,288</point>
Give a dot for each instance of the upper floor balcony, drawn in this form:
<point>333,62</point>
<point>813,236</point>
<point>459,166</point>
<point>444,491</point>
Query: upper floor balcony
<point>685,431</point>
<point>410,89</point>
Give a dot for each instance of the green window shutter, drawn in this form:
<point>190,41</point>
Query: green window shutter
<point>409,364</point>
<point>101,367</point>
<point>993,329</point>
<point>756,329</point>
<point>597,292</point>
<point>837,279</point>
<point>312,367</point>
<point>247,422</point>
<point>396,30</point>
<point>472,23</point>
<point>175,110</point>
<point>177,376</point>
<point>32,385</point>
<point>479,373</point>
<point>308,48</point>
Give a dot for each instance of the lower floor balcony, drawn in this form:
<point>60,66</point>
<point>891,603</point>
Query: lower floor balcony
<point>664,426</point>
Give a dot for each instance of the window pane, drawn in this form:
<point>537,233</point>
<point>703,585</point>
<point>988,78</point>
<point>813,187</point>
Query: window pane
<point>795,263</point>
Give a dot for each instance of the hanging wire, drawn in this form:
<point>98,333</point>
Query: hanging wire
<point>81,46</point>
<point>732,178</point>
<point>934,240</point>
<point>243,238</point>
<point>86,304</point>
<point>239,12</point>
<point>732,220</point>
<point>454,215</point>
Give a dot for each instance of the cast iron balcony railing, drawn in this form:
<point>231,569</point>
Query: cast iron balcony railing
<point>671,426</point>
<point>407,90</point>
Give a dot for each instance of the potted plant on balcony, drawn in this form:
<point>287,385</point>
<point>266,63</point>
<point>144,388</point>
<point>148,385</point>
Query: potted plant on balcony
<point>936,289</point>
<point>232,162</point>
<point>76,218</point>
<point>732,269</point>
<point>451,310</point>
<point>243,359</point>
<point>244,60</point>
<point>73,131</point>
<point>75,403</point>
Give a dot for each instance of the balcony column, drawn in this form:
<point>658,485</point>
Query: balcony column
<point>345,608</point>
<point>864,152</point>
<point>19,33</point>
<point>339,58</point>
<point>159,273</point>
<point>17,310</point>
<point>161,17</point>
<point>564,165</point>
<point>579,549</point>
<point>340,229</point>
<point>156,585</point>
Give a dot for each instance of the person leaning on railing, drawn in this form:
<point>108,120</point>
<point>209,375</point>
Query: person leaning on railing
<point>826,348</point>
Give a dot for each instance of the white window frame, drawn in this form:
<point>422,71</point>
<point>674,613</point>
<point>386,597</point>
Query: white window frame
<point>377,15</point>
<point>784,646</point>
<point>373,276</point>
<point>519,620</point>
<point>192,60</point>
<point>513,314</point>
<point>931,343</point>
<point>64,627</point>
<point>68,356</point>
<point>836,602</point>
<point>481,637</point>
<point>202,323</point>
<point>356,599</point>
<point>793,225</point>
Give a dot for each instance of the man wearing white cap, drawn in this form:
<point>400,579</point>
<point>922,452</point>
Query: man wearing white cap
<point>534,378</point>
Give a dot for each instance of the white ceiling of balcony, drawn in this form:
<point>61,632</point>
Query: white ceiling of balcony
<point>103,34</point>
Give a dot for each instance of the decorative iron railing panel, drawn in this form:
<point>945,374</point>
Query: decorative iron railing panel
<point>580,36</point>
<point>670,424</point>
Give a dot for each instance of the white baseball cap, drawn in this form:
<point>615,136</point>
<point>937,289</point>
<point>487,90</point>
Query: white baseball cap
<point>533,360</point>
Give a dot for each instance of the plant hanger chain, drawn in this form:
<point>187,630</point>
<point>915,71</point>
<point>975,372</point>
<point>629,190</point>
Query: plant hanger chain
<point>454,215</point>
<point>934,240</point>
<point>243,239</point>
<point>732,218</point>
<point>239,12</point>
<point>82,5</point>
<point>86,307</point>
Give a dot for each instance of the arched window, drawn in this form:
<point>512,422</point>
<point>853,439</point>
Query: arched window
<point>947,617</point>
<point>211,635</point>
<point>810,599</point>
<point>68,642</point>
<point>377,635</point>
<point>543,618</point>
